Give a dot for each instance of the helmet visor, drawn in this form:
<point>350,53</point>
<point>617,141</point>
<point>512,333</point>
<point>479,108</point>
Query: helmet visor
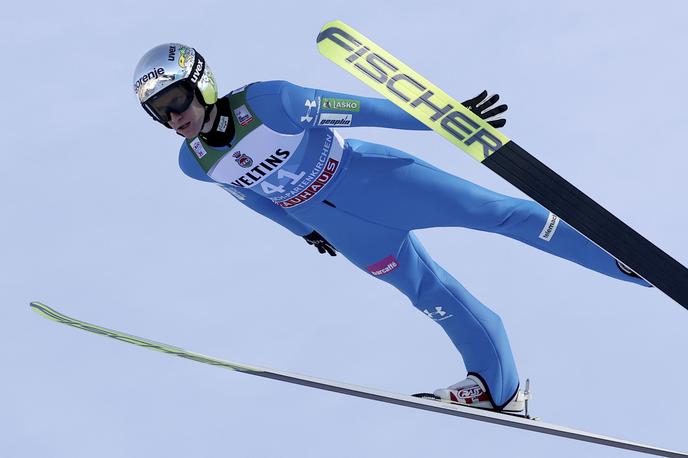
<point>173,99</point>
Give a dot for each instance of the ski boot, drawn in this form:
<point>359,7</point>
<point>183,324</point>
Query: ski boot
<point>471,392</point>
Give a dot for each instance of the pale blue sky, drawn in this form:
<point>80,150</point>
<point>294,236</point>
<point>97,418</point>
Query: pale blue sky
<point>100,223</point>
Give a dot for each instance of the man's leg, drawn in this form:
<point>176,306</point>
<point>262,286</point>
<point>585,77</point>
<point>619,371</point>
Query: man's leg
<point>405,192</point>
<point>397,257</point>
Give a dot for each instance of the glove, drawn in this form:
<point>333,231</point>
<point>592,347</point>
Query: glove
<point>320,243</point>
<point>481,104</point>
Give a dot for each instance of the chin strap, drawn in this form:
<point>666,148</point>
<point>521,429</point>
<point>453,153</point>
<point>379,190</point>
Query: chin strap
<point>208,110</point>
<point>208,107</point>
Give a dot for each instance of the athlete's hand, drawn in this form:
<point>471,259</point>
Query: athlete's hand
<point>482,105</point>
<point>320,243</point>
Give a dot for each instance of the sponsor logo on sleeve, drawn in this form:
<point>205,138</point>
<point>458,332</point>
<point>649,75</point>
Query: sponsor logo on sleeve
<point>383,266</point>
<point>341,104</point>
<point>309,104</point>
<point>334,119</point>
<point>243,115</point>
<point>550,227</point>
<point>198,148</point>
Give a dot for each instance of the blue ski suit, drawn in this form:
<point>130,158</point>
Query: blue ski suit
<point>287,162</point>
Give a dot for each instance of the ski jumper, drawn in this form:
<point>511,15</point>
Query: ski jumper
<point>286,161</point>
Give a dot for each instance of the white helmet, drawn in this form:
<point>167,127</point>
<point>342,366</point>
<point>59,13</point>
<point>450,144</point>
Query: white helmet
<point>168,77</point>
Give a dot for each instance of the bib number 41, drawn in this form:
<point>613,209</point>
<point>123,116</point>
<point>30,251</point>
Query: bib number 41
<point>269,188</point>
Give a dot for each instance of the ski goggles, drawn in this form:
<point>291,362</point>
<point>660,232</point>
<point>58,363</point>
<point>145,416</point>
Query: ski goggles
<point>176,98</point>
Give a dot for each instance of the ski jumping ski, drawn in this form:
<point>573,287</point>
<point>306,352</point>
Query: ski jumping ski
<point>430,105</point>
<point>362,392</point>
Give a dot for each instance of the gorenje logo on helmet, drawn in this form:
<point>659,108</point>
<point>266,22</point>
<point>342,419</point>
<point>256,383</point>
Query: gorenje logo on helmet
<point>152,75</point>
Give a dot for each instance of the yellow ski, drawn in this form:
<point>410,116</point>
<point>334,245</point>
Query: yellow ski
<point>399,83</point>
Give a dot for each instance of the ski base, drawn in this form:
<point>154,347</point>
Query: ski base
<point>362,392</point>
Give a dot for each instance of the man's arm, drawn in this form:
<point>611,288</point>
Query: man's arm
<point>267,208</point>
<point>304,107</point>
